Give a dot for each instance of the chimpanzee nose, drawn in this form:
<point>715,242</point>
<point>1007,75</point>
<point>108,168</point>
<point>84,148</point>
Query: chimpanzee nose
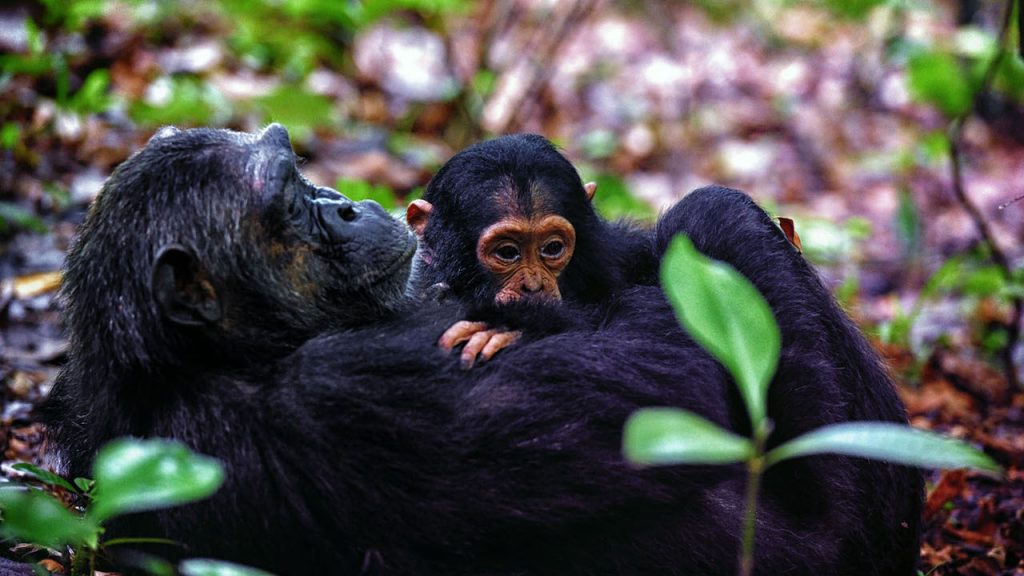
<point>343,220</point>
<point>347,212</point>
<point>532,285</point>
<point>334,216</point>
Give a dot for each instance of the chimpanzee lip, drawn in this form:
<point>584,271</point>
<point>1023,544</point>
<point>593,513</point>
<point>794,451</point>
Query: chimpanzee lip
<point>394,266</point>
<point>377,274</point>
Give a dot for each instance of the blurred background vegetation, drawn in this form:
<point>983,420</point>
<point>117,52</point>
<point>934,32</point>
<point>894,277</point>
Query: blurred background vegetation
<point>891,131</point>
<point>837,112</point>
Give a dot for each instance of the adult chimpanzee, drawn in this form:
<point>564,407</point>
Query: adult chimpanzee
<point>509,219</point>
<point>216,297</point>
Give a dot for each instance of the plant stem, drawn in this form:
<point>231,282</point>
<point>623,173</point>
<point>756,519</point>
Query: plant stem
<point>959,190</point>
<point>146,540</point>
<point>754,469</point>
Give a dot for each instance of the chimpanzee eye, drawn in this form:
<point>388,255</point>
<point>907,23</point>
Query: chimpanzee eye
<point>507,253</point>
<point>552,249</point>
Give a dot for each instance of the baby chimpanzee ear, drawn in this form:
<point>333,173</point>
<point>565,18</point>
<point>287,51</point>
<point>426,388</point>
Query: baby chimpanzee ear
<point>417,215</point>
<point>590,188</point>
<point>181,288</point>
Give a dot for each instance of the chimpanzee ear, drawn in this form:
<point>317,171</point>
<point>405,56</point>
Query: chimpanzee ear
<point>182,289</point>
<point>590,188</point>
<point>417,215</point>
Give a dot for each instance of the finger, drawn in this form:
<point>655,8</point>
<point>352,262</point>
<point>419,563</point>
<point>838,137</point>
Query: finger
<point>497,343</point>
<point>459,333</point>
<point>473,347</point>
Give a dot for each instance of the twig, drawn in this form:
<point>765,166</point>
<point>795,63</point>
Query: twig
<point>550,42</point>
<point>959,190</point>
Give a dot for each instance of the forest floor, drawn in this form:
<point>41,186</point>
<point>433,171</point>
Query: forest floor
<point>822,132</point>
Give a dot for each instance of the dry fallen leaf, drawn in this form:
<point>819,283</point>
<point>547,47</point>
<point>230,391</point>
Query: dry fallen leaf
<point>950,485</point>
<point>789,229</point>
<point>33,285</point>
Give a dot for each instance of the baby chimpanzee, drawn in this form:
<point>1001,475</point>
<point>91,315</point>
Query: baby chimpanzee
<point>508,221</point>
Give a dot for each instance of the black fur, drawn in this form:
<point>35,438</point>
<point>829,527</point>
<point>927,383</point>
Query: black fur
<point>364,450</point>
<point>609,256</point>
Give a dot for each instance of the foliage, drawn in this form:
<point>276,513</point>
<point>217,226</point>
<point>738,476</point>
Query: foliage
<point>13,216</point>
<point>975,282</point>
<point>735,325</point>
<point>667,435</point>
<point>613,200</point>
<point>180,99</point>
<point>131,476</point>
<point>207,567</point>
<point>301,111</point>
<point>935,77</point>
<point>37,517</point>
<point>295,35</point>
<point>361,190</point>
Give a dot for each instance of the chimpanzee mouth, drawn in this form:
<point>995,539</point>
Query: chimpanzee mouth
<point>381,274</point>
<point>393,268</point>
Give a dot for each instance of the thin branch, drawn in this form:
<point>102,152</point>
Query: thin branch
<point>959,190</point>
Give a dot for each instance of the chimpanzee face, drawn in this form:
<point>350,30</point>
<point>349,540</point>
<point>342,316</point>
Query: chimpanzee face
<point>319,258</point>
<point>324,242</point>
<point>526,255</point>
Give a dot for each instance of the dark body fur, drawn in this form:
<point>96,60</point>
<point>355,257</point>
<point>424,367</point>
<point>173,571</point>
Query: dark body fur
<point>525,174</point>
<point>363,450</point>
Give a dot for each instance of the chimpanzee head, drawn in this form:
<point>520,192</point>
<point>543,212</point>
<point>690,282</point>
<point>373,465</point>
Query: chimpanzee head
<point>148,276</point>
<point>505,220</point>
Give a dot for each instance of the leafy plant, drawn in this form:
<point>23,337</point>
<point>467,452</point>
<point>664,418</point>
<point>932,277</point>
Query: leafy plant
<point>613,200</point>
<point>186,100</point>
<point>358,190</point>
<point>724,312</point>
<point>130,476</point>
<point>14,217</point>
<point>300,110</point>
<point>976,282</point>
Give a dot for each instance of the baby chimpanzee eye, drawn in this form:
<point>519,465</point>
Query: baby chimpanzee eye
<point>507,253</point>
<point>552,249</point>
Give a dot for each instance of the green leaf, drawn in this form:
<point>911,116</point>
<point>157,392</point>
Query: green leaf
<point>659,436</point>
<point>358,190</point>
<point>300,111</point>
<point>1010,75</point>
<point>986,281</point>
<point>186,100</point>
<point>84,484</point>
<point>134,475</point>
<point>934,147</point>
<point>852,9</point>
<point>44,476</point>
<point>598,144</point>
<point>207,567</point>
<point>945,279</point>
<point>826,242</point>
<point>92,97</point>
<point>886,441</point>
<point>484,82</point>
<point>14,216</point>
<point>36,517</point>
<point>614,201</point>
<point>726,315</point>
<point>10,133</point>
<point>908,225</point>
<point>936,78</point>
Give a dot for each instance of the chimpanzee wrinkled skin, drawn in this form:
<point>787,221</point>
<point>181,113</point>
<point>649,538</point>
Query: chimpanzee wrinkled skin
<point>211,298</point>
<point>524,174</point>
